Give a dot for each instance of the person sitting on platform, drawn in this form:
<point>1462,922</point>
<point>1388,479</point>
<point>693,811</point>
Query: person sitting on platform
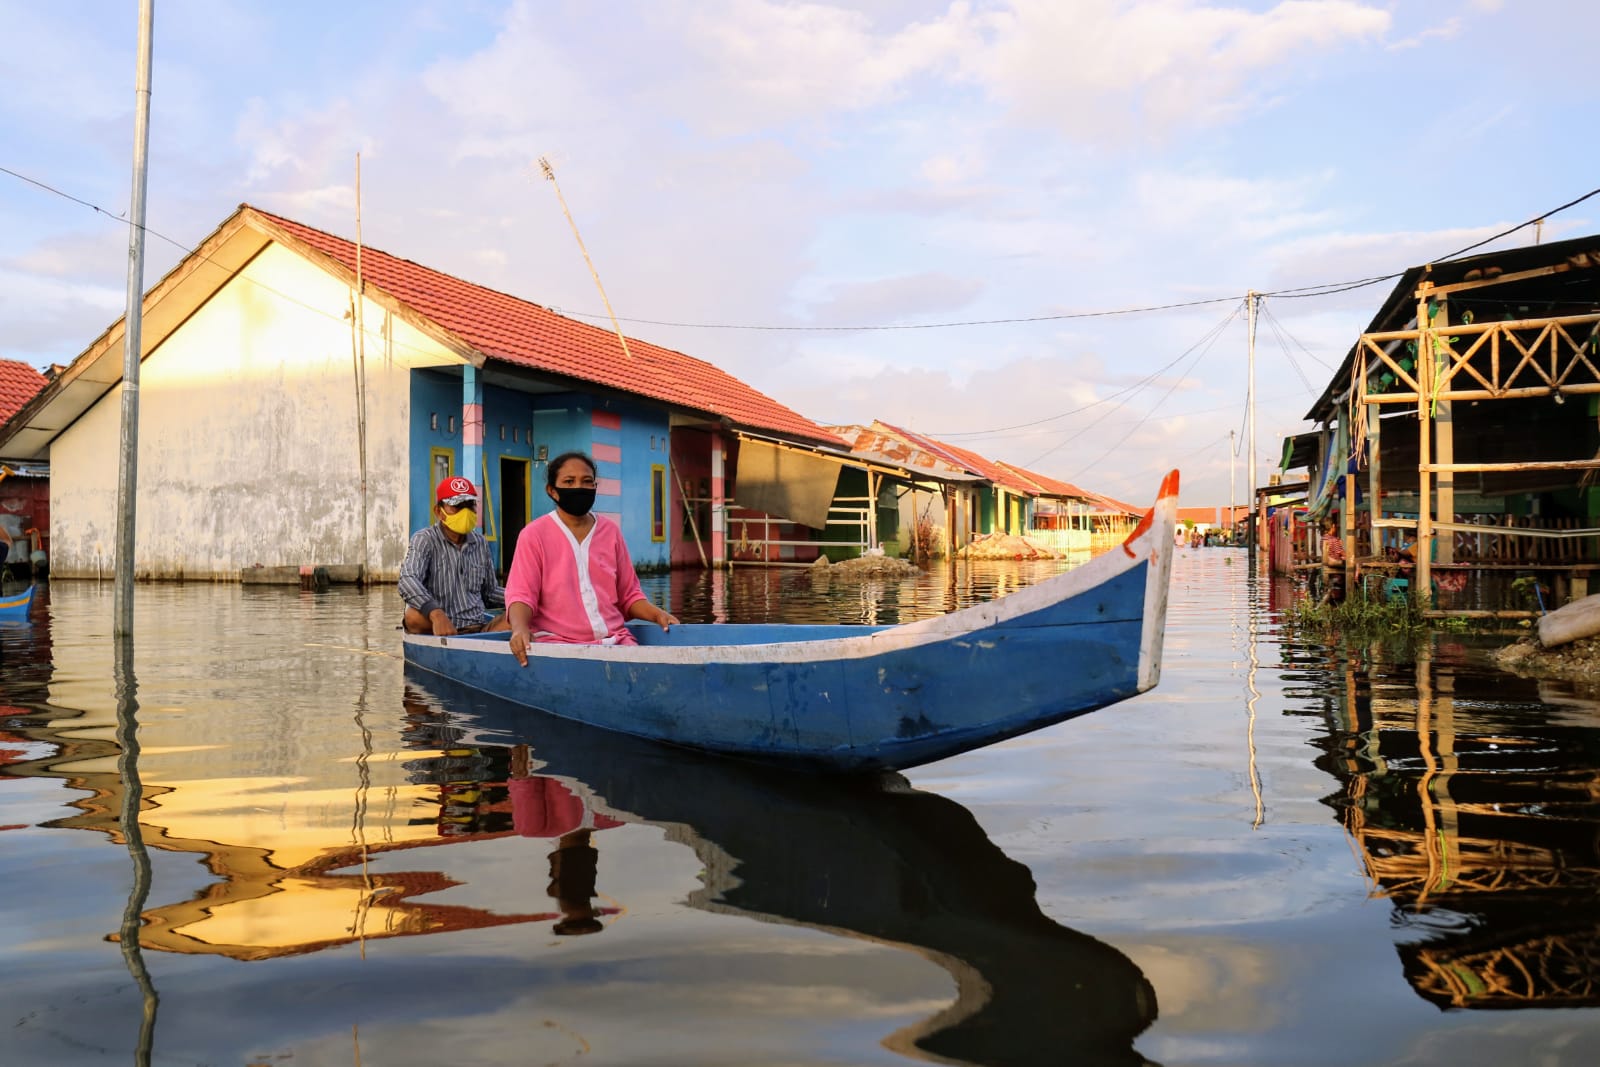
<point>447,578</point>
<point>571,578</point>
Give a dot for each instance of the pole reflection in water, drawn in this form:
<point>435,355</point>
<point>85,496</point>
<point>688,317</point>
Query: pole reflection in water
<point>1480,821</point>
<point>127,690</point>
<point>864,858</point>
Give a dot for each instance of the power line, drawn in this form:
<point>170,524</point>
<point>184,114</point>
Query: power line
<point>187,251</point>
<point>910,325</point>
<point>123,218</point>
<point>1330,288</point>
<point>1298,343</point>
<point>1216,333</point>
<point>1323,289</point>
<point>1205,339</point>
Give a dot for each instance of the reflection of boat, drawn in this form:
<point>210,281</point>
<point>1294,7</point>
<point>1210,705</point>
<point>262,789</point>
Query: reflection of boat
<point>859,698</point>
<point>16,605</point>
<point>864,857</point>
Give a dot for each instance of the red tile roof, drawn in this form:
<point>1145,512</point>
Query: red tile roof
<point>515,331</point>
<point>19,383</point>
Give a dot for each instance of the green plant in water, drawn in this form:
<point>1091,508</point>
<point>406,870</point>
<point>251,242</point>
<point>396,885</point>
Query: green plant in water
<point>1359,615</point>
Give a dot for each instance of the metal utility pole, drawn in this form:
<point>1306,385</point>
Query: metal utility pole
<point>1251,299</point>
<point>132,344</point>
<point>1233,456</point>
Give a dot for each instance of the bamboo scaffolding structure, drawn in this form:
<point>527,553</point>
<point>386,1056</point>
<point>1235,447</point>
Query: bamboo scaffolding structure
<point>1539,465</point>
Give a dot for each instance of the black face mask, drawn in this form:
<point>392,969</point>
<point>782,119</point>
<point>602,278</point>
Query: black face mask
<point>575,502</point>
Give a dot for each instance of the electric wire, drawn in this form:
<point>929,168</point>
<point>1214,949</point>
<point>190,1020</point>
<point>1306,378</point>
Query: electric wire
<point>1322,289</point>
<point>869,327</point>
<point>202,257</point>
<point>1216,333</point>
<point>1330,288</point>
<point>1201,346</point>
<point>1298,343</point>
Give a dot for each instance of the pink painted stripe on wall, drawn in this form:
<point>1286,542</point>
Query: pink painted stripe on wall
<point>472,424</point>
<point>608,487</point>
<point>607,453</point>
<point>605,420</point>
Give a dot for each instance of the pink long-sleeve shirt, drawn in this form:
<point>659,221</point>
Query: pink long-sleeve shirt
<point>579,590</point>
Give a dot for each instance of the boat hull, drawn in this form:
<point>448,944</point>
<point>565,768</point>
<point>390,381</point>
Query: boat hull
<point>16,605</point>
<point>856,698</point>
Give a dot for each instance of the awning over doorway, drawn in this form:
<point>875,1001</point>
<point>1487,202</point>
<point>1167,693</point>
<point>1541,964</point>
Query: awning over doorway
<point>787,483</point>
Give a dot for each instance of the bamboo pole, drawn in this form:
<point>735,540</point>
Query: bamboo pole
<point>360,326</point>
<point>1531,465</point>
<point>694,527</point>
<point>1444,432</point>
<point>1375,481</point>
<point>1422,553</point>
<point>550,173</point>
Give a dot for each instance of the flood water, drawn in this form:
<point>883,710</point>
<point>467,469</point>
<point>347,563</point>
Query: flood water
<point>1290,852</point>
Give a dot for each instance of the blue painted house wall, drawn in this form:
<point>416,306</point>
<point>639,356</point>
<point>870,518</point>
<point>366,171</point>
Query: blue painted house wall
<point>626,439</point>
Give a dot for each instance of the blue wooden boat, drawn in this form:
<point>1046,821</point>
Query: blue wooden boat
<point>858,698</point>
<point>16,605</point>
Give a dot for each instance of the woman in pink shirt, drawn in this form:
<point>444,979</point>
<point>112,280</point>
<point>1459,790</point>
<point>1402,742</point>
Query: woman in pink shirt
<point>571,577</point>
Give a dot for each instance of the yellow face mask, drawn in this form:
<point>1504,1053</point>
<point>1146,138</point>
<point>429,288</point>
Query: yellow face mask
<point>464,521</point>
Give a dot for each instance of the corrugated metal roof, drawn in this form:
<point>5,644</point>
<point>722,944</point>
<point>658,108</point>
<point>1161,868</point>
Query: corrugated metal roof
<point>966,460</point>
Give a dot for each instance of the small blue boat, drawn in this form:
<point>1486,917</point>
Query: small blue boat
<point>16,605</point>
<point>858,698</point>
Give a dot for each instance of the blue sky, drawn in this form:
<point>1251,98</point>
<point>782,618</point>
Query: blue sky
<point>804,165</point>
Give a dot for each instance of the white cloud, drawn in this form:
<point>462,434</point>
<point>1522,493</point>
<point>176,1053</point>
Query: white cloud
<point>1442,32</point>
<point>1105,68</point>
<point>1248,209</point>
<point>755,63</point>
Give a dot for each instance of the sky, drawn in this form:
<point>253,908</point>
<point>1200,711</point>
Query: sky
<point>890,209</point>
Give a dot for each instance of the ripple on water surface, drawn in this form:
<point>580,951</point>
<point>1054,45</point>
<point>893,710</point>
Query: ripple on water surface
<point>1293,850</point>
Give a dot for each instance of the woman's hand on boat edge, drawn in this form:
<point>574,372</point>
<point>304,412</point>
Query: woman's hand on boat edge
<point>645,611</point>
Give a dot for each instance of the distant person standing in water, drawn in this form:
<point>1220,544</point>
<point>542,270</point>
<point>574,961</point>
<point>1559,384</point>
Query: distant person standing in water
<point>571,578</point>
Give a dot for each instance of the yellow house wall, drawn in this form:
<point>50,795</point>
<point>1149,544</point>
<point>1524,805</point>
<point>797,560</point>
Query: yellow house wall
<point>248,448</point>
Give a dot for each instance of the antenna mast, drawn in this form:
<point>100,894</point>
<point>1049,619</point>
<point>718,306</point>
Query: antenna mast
<point>550,173</point>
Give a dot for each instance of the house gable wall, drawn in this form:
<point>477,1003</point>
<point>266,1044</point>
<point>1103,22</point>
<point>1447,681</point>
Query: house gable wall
<point>248,447</point>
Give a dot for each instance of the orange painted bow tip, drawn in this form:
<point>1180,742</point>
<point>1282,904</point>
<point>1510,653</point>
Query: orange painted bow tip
<point>1169,486</point>
<point>1169,489</point>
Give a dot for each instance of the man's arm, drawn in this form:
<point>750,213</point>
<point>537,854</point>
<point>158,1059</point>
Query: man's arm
<point>494,595</point>
<point>414,572</point>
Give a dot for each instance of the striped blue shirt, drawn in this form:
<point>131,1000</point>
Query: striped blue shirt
<point>459,579</point>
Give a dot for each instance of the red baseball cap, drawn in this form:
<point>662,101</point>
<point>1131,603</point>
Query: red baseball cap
<point>457,491</point>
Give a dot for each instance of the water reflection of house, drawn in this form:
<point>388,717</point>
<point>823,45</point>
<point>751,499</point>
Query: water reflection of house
<point>1481,824</point>
<point>311,862</point>
<point>284,422</point>
<point>1465,413</point>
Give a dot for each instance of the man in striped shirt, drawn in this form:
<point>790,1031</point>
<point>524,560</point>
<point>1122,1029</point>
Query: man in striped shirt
<point>447,579</point>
